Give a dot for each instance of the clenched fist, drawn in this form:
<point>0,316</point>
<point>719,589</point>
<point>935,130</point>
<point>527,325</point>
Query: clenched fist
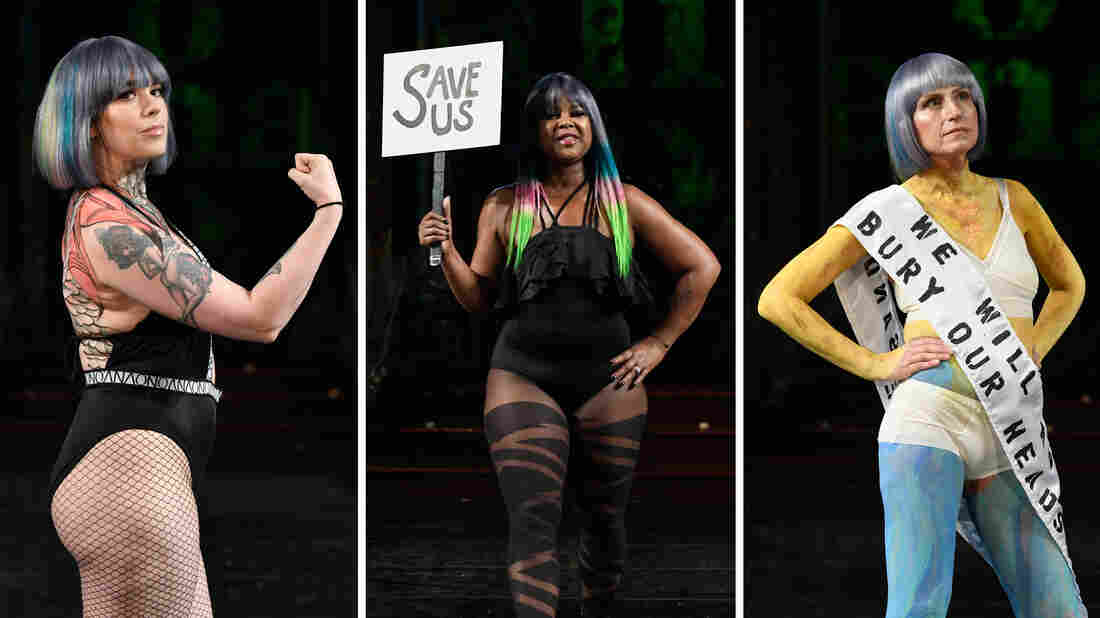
<point>314,176</point>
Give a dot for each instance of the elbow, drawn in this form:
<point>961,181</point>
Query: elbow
<point>480,302</point>
<point>711,271</point>
<point>267,336</point>
<point>764,308</point>
<point>265,331</point>
<point>703,276</point>
<point>769,305</point>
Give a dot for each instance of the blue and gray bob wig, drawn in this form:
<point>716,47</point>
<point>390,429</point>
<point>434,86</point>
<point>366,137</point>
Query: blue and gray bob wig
<point>85,80</point>
<point>912,79</point>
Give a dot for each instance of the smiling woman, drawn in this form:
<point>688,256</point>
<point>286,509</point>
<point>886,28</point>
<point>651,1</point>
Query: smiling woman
<point>143,302</point>
<point>554,258</point>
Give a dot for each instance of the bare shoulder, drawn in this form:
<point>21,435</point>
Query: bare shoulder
<point>646,214</point>
<point>497,205</point>
<point>1019,194</point>
<point>500,197</point>
<point>1025,208</point>
<point>97,204</point>
<point>640,202</point>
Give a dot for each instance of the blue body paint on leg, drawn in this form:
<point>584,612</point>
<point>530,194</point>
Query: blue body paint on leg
<point>921,490</point>
<point>1027,561</point>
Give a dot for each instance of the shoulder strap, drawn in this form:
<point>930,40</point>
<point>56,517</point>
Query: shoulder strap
<point>539,207</point>
<point>590,215</point>
<point>1002,189</point>
<point>566,202</point>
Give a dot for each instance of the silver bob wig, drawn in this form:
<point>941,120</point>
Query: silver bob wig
<point>93,73</point>
<point>912,79</point>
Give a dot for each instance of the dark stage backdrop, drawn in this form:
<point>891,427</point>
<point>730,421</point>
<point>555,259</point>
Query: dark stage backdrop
<point>814,146</point>
<point>253,84</point>
<point>661,74</point>
<point>815,85</point>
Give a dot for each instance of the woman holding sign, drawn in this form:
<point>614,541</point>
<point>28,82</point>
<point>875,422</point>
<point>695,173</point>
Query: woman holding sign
<point>968,366</point>
<point>554,256</point>
<point>144,302</point>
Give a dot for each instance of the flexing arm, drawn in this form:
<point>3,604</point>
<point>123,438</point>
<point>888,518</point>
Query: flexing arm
<point>473,285</point>
<point>151,266</point>
<point>1057,266</point>
<point>785,302</point>
<point>683,253</point>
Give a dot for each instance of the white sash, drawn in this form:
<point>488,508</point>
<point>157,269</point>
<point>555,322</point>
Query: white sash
<point>902,240</point>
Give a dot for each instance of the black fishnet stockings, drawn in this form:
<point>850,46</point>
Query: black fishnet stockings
<point>127,515</point>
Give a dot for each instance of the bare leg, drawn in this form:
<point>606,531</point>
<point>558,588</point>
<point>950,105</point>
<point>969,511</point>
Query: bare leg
<point>529,442</point>
<point>127,515</point>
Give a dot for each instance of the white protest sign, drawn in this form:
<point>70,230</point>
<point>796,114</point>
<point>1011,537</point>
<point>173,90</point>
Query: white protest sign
<point>442,99</point>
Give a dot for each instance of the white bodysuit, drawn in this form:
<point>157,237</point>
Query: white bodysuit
<point>924,413</point>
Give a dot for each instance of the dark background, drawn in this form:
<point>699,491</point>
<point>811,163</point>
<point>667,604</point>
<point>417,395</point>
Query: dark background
<point>252,86</point>
<point>815,85</point>
<point>662,77</point>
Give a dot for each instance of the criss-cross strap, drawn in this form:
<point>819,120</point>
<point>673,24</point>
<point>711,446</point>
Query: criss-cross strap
<point>554,216</point>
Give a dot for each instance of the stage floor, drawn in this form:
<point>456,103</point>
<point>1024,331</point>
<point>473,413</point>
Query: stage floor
<point>430,557</point>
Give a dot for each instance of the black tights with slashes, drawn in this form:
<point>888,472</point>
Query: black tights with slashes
<point>530,440</point>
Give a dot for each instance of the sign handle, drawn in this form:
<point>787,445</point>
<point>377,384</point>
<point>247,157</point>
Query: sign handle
<point>435,253</point>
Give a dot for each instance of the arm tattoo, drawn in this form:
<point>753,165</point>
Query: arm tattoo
<point>189,284</point>
<point>278,267</point>
<point>274,270</point>
<point>185,277</point>
<point>126,247</point>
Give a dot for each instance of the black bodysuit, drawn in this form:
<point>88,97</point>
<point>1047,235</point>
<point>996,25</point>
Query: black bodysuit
<point>158,376</point>
<point>564,309</point>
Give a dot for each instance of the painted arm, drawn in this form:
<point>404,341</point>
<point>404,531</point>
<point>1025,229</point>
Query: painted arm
<point>1055,263</point>
<point>682,253</point>
<point>785,302</point>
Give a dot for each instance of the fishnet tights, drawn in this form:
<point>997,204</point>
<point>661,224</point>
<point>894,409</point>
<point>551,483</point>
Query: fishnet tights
<point>127,515</point>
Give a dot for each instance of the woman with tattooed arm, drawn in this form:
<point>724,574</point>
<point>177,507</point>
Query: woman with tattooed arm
<point>144,303</point>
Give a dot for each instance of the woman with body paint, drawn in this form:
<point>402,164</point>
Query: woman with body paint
<point>554,257</point>
<point>938,451</point>
<point>144,302</point>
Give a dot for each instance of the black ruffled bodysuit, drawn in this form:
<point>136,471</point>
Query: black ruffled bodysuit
<point>563,310</point>
<point>158,375</point>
